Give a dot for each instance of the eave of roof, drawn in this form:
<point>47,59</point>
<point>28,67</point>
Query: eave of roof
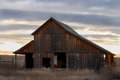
<point>19,50</point>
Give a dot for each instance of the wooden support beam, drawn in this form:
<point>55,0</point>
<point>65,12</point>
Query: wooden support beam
<point>15,61</point>
<point>52,60</point>
<point>67,60</point>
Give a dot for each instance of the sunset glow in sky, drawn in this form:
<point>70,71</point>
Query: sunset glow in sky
<point>96,20</point>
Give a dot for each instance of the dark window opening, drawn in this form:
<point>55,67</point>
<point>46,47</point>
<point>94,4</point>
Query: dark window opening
<point>46,62</point>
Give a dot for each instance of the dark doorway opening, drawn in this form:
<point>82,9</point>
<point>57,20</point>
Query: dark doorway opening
<point>60,60</point>
<point>46,62</point>
<point>29,60</point>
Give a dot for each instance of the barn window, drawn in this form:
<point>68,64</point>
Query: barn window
<point>55,60</point>
<point>104,56</point>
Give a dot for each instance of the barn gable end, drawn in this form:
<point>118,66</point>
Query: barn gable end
<point>56,35</point>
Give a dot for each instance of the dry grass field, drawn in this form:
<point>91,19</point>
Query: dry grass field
<point>47,74</point>
<point>53,75</point>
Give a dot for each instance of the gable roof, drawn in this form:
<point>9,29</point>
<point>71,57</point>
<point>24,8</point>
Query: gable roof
<point>71,31</point>
<point>25,49</point>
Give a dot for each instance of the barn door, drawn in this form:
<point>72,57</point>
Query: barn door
<point>60,60</point>
<point>29,60</point>
<point>72,59</point>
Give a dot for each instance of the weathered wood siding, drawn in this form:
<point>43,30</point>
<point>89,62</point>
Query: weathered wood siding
<point>72,60</point>
<point>84,60</point>
<point>53,38</point>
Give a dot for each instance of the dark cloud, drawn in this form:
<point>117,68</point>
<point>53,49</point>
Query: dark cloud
<point>14,36</point>
<point>87,3</point>
<point>77,28</point>
<point>101,36</point>
<point>81,18</point>
<point>17,27</point>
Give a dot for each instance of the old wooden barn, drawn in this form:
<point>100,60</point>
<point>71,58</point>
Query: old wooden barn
<point>56,45</point>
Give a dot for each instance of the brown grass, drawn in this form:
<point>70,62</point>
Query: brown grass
<point>47,74</point>
<point>53,75</point>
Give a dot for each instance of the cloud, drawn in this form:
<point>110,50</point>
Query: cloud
<point>81,18</point>
<point>9,46</point>
<point>100,7</point>
<point>20,40</point>
<point>102,36</point>
<point>6,52</point>
<point>18,27</point>
<point>15,36</point>
<point>97,20</point>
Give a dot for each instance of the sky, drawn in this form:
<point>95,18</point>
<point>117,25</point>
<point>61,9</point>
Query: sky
<point>96,20</point>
